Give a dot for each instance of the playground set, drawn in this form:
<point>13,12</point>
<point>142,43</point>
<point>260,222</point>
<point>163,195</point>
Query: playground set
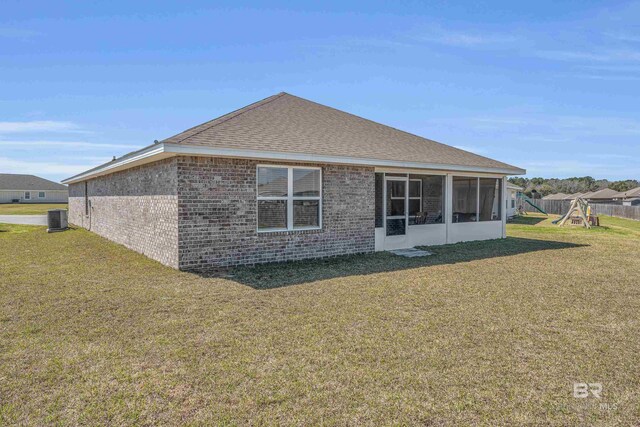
<point>580,212</point>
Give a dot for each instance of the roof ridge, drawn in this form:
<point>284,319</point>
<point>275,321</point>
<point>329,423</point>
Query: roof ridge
<point>232,114</point>
<point>391,127</point>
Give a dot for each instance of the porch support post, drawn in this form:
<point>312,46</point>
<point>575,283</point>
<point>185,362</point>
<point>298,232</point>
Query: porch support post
<point>448,203</point>
<point>504,207</point>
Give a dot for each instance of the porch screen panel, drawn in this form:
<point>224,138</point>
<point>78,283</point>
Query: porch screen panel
<point>396,210</point>
<point>379,200</point>
<point>465,199</point>
<point>426,199</point>
<point>490,199</point>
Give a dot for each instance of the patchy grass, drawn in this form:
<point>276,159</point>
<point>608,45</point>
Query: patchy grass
<point>489,333</point>
<point>16,228</point>
<point>29,208</point>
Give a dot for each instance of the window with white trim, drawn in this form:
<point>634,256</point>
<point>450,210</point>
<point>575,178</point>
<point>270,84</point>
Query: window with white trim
<point>289,198</point>
<point>27,195</point>
<point>41,195</point>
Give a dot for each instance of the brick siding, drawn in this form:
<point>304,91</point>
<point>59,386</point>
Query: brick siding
<point>199,213</point>
<point>218,215</point>
<point>137,208</point>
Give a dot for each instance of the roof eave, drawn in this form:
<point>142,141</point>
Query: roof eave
<point>164,150</point>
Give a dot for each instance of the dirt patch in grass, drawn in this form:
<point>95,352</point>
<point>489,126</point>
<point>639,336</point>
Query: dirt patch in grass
<point>492,333</point>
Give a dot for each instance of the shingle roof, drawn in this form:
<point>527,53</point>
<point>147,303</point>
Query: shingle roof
<point>605,193</point>
<point>573,196</point>
<point>12,181</point>
<point>634,192</point>
<point>288,124</point>
<point>557,196</point>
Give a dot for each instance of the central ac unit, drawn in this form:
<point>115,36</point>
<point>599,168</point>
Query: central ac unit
<point>57,220</point>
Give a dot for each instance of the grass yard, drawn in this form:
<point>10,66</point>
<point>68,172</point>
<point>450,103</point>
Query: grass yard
<point>29,208</point>
<point>484,333</point>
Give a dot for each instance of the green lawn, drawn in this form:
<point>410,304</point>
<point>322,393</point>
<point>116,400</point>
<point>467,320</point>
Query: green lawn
<point>485,333</point>
<point>29,208</point>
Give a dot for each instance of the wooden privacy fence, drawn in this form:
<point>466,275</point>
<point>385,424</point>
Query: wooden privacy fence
<point>560,207</point>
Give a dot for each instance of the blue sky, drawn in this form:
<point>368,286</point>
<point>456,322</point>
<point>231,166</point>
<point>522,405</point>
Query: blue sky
<point>550,86</point>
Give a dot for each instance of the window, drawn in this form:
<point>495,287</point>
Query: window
<point>490,201</point>
<point>41,195</point>
<point>289,198</point>
<point>426,199</point>
<point>465,199</point>
<point>27,195</point>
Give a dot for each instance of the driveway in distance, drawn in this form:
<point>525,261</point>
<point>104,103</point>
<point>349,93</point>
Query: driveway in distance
<point>24,219</point>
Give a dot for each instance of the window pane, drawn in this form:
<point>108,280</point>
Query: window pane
<point>432,208</point>
<point>490,205</point>
<point>414,188</point>
<point>306,213</point>
<point>272,214</point>
<point>272,182</point>
<point>465,196</point>
<point>306,183</point>
<point>41,194</point>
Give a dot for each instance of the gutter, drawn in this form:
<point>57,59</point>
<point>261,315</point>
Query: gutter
<point>163,150</point>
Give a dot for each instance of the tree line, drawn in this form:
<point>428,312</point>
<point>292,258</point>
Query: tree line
<point>546,186</point>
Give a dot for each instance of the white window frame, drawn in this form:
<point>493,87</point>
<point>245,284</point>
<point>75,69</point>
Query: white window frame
<point>289,199</point>
<point>27,195</point>
<point>44,195</point>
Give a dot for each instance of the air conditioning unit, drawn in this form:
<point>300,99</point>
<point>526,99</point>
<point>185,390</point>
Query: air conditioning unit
<point>57,220</point>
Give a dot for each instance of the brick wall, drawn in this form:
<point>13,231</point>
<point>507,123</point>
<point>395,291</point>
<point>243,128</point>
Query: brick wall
<point>218,215</point>
<point>137,207</point>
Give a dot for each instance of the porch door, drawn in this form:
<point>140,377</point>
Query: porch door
<point>396,211</point>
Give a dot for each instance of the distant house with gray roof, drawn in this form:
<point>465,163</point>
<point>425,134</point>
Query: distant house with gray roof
<point>19,188</point>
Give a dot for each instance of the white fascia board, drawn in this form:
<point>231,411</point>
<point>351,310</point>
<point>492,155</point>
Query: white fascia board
<point>164,150</point>
<point>129,160</point>
<point>199,150</point>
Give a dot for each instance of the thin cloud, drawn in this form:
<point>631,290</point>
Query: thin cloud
<point>439,35</point>
<point>9,165</point>
<point>582,56</point>
<point>38,126</point>
<point>17,33</point>
<point>82,145</point>
<point>624,37</point>
<point>565,55</point>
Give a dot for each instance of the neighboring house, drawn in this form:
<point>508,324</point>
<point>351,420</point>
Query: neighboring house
<point>512,196</point>
<point>285,179</point>
<point>573,196</point>
<point>631,197</point>
<point>557,196</point>
<point>606,195</point>
<point>18,188</point>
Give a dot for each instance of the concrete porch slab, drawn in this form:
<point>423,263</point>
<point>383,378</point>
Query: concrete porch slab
<point>410,252</point>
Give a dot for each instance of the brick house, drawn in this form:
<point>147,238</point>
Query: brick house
<point>286,179</point>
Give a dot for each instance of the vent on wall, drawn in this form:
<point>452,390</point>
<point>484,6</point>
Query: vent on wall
<point>57,220</point>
